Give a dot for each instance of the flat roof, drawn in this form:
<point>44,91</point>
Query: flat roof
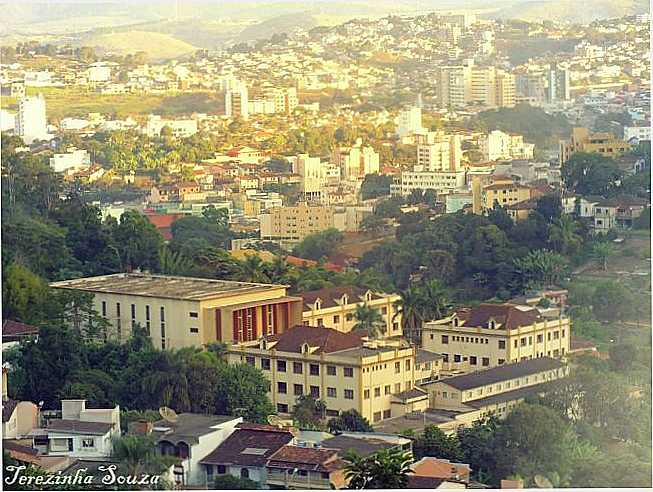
<point>166,286</point>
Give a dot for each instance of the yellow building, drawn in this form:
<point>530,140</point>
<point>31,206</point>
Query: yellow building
<point>504,191</point>
<point>583,141</point>
<point>334,307</point>
<point>505,89</point>
<point>188,312</point>
<point>292,224</point>
<point>495,334</point>
<point>375,378</point>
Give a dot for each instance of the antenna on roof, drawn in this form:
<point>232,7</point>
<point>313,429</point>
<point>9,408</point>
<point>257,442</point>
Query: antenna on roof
<point>168,414</point>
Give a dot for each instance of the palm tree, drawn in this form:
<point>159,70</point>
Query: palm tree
<point>409,306</point>
<point>174,263</point>
<point>279,271</point>
<point>369,320</point>
<point>252,269</point>
<point>137,454</point>
<point>563,235</point>
<point>385,469</point>
<point>435,300</point>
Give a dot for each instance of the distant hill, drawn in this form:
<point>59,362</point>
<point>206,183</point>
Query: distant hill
<point>577,11</point>
<point>277,25</point>
<point>158,46</point>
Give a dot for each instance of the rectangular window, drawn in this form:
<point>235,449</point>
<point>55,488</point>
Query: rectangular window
<point>163,314</point>
<point>320,322</point>
<point>331,392</point>
<point>349,372</point>
<point>377,392</point>
<point>336,319</point>
<point>387,389</point>
<point>193,314</point>
<point>387,414</point>
<point>501,361</point>
<point>397,387</point>
<point>540,338</point>
<point>331,370</point>
<point>281,365</point>
<point>522,342</point>
<point>472,360</point>
<point>118,309</point>
<point>563,333</point>
<point>445,339</point>
<point>297,367</point>
<point>282,387</point>
<point>163,344</point>
<point>282,408</point>
<point>315,391</point>
<point>104,308</point>
<point>366,394</point>
<point>88,443</point>
<point>349,317</point>
<point>377,416</point>
<point>298,389</point>
<point>548,336</point>
<point>314,370</point>
<point>221,469</point>
<point>556,335</point>
<point>486,361</point>
<point>530,340</point>
<point>457,358</point>
<point>133,311</point>
<point>265,364</point>
<point>408,364</point>
<point>397,367</point>
<point>502,344</point>
<point>349,394</point>
<point>384,311</point>
<point>194,330</point>
<point>250,360</point>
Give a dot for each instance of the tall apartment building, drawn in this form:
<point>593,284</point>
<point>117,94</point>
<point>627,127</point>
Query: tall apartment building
<point>313,175</point>
<point>558,85</point>
<point>182,312</point>
<point>458,85</point>
<point>530,88</point>
<point>483,85</point>
<point>497,145</point>
<point>31,123</point>
<point>582,140</point>
<point>505,90</point>
<point>377,379</point>
<point>438,151</point>
<point>355,161</point>
<point>454,85</point>
<point>491,335</point>
<point>504,191</point>
<point>409,121</point>
<point>292,224</point>
<point>285,99</point>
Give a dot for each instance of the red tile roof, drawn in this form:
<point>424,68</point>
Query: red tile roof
<point>11,328</point>
<point>329,295</point>
<point>312,459</point>
<point>508,315</point>
<point>326,339</point>
<point>248,447</point>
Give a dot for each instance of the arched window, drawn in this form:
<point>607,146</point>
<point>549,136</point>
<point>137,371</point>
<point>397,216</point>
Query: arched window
<point>244,473</point>
<point>456,321</point>
<point>318,304</point>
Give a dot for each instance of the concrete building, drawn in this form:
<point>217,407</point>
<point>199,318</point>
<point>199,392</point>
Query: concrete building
<point>31,122</point>
<point>504,191</point>
<point>236,103</point>
<point>558,85</point>
<point>497,145</point>
<point>292,224</point>
<point>635,134</point>
<point>313,175</point>
<point>495,334</point>
<point>453,85</point>
<point>188,312</point>
<point>355,161</point>
<point>335,307</point>
<point>409,121</point>
<point>437,151</point>
<point>376,378</point>
<point>530,88</point>
<point>294,467</point>
<point>505,90</point>
<point>179,128</point>
<point>72,159</point>
<point>441,182</point>
<point>285,100</point>
<point>582,140</point>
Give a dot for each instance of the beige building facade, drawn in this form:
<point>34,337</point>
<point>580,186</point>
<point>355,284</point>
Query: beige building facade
<point>292,224</point>
<point>188,312</point>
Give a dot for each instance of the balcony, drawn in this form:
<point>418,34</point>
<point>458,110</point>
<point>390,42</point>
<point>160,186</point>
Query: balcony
<point>297,481</point>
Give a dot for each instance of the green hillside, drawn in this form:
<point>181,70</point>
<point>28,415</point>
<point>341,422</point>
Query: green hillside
<point>157,45</point>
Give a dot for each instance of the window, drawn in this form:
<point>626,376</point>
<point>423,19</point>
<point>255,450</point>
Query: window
<point>265,364</point>
<point>88,443</point>
<point>387,414</point>
<point>486,361</point>
<point>104,308</point>
<point>556,335</point>
<point>540,338</point>
<point>297,367</point>
<point>366,394</point>
<point>349,317</point>
<point>563,333</point>
<point>336,319</point>
<point>397,387</point>
<point>377,392</point>
<point>320,322</point>
<point>298,389</point>
<point>515,345</point>
<point>377,416</point>
<point>314,369</point>
<point>408,364</point>
<point>221,469</point>
<point>331,370</point>
<point>386,389</point>
<point>408,385</point>
<point>133,312</point>
<point>530,340</point>
<point>163,314</point>
<point>384,311</point>
<point>244,473</point>
<point>444,395</point>
<point>472,360</point>
<point>282,387</point>
<point>349,394</point>
<point>331,392</point>
<point>250,360</point>
<point>315,391</point>
<point>193,314</point>
<point>548,336</point>
<point>445,339</point>
<point>522,342</point>
<point>457,358</point>
<point>194,330</point>
<point>147,319</point>
<point>397,367</point>
<point>349,372</point>
<point>502,361</point>
<point>502,344</point>
<point>281,365</point>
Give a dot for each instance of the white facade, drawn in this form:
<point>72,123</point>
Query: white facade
<point>356,161</point>
<point>409,121</point>
<point>312,172</point>
<point>98,72</point>
<point>7,120</point>
<point>180,128</point>
<point>73,159</point>
<point>236,102</point>
<point>442,181</point>
<point>495,145</point>
<point>31,122</point>
<point>637,133</point>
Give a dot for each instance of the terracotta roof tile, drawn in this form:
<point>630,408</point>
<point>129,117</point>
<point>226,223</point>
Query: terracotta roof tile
<point>326,339</point>
<point>508,315</point>
<point>248,447</point>
<point>11,328</point>
<point>312,459</point>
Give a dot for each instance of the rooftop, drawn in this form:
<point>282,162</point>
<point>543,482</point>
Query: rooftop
<point>312,459</point>
<point>325,340</point>
<point>78,427</point>
<point>11,328</point>
<point>166,286</point>
<point>501,373</point>
<point>363,446</point>
<point>189,427</point>
<point>331,296</point>
<point>507,316</point>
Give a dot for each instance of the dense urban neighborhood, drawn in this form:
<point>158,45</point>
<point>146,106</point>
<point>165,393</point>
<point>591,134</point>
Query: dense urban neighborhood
<point>401,251</point>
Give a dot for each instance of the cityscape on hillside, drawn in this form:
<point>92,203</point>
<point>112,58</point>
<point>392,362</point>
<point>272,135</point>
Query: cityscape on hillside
<point>326,245</point>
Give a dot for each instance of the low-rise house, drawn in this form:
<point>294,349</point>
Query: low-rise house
<point>245,453</point>
<point>190,437</point>
<point>293,467</point>
<point>80,432</point>
<point>441,468</point>
<point>335,307</point>
<point>15,331</point>
<point>366,443</point>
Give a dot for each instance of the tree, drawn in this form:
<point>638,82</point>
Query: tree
<point>318,245</point>
<point>137,454</point>
<point>25,295</point>
<point>372,224</point>
<point>590,174</point>
<point>369,320</point>
<point>612,301</point>
<point>409,307</point>
<point>601,252</point>
<point>385,469</point>
<point>308,412</point>
<point>434,442</point>
<point>229,482</point>
<point>349,420</point>
<point>477,446</point>
<point>245,387</point>
<point>375,185</point>
<point>252,269</point>
<point>643,221</point>
<point>563,235</point>
<point>138,242</point>
<point>541,268</point>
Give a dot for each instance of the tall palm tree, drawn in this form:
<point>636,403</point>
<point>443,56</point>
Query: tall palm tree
<point>134,452</point>
<point>435,300</point>
<point>563,235</point>
<point>370,320</point>
<point>385,469</point>
<point>409,306</point>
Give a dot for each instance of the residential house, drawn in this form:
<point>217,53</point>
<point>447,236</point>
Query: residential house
<point>335,307</point>
<point>432,467</point>
<point>188,312</point>
<point>293,467</point>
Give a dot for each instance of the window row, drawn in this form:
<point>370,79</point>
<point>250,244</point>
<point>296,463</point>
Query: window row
<point>299,367</point>
<point>314,391</point>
